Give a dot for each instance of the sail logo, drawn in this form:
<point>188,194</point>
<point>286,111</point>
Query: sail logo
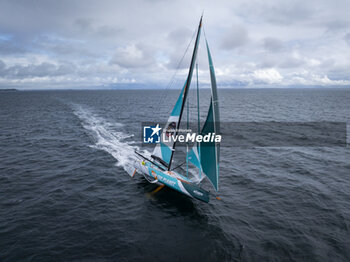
<point>151,134</point>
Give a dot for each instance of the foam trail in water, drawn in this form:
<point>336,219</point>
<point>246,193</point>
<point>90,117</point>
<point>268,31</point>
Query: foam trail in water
<point>107,138</point>
<point>114,142</point>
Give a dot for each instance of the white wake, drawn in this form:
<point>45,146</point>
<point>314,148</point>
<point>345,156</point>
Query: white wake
<point>108,137</point>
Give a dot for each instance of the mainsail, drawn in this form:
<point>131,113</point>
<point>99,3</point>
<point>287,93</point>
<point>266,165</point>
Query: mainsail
<point>165,150</point>
<point>206,156</point>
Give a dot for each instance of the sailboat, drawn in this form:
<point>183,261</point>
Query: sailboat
<point>204,156</point>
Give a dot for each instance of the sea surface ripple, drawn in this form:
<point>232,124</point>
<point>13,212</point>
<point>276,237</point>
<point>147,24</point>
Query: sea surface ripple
<point>66,195</point>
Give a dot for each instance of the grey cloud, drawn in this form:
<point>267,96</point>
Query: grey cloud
<point>327,63</point>
<point>177,61</point>
<point>279,61</point>
<point>347,38</point>
<point>272,44</point>
<point>336,25</point>
<point>235,37</point>
<point>28,18</point>
<point>64,47</point>
<point>2,66</point>
<point>279,12</point>
<point>289,13</point>
<point>291,62</point>
<point>179,36</point>
<point>44,69</point>
<point>84,24</point>
<point>178,40</point>
<point>8,47</point>
<point>90,26</point>
<point>339,74</point>
<point>267,62</point>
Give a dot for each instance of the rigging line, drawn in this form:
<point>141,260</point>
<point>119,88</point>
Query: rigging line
<point>205,36</point>
<point>199,125</point>
<point>187,125</point>
<point>162,168</point>
<point>187,86</point>
<point>179,166</point>
<point>172,80</point>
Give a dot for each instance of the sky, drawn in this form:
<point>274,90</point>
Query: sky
<point>140,43</point>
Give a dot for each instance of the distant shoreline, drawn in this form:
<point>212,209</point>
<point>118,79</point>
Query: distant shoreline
<point>164,88</point>
<point>9,90</point>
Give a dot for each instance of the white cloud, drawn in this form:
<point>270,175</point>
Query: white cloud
<point>269,76</point>
<point>133,56</point>
<point>309,78</point>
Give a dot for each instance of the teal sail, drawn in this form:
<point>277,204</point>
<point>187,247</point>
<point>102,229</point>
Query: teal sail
<point>165,150</point>
<point>208,159</point>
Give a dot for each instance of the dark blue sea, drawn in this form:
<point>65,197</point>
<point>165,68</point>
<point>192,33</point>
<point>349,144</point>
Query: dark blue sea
<point>65,194</point>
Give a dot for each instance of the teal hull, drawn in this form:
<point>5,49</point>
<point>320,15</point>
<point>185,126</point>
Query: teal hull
<point>175,181</point>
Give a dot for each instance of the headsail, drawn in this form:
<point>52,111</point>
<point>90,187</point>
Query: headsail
<point>208,159</point>
<point>166,150</point>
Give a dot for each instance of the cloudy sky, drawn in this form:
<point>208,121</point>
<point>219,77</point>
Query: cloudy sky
<point>85,43</point>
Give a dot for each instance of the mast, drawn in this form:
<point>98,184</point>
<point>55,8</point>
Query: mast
<point>187,86</point>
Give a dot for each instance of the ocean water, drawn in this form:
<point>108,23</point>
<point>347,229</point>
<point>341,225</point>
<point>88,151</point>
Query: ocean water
<point>65,194</point>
